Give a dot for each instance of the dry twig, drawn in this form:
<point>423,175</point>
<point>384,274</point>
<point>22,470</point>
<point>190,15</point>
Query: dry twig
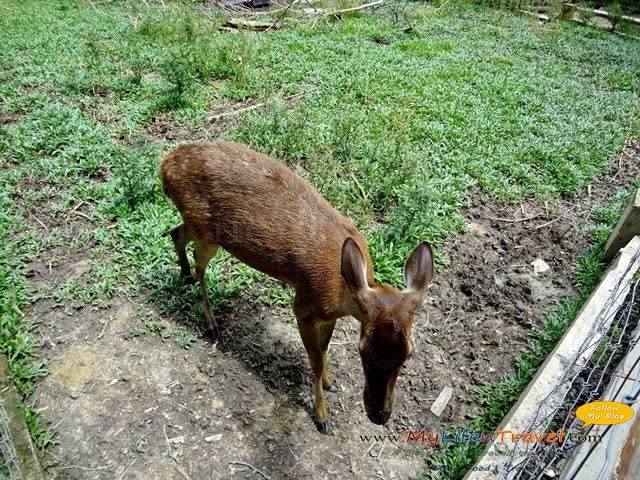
<point>41,224</point>
<point>353,9</point>
<point>368,449</point>
<point>441,7</point>
<point>381,449</point>
<point>101,333</point>
<point>251,467</point>
<point>516,220</point>
<point>14,304</point>
<point>84,469</point>
<point>254,106</point>
<point>557,218</point>
<point>284,12</point>
<point>241,23</point>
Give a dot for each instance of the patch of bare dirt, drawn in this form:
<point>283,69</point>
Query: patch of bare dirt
<point>220,118</point>
<point>139,407</point>
<point>9,118</point>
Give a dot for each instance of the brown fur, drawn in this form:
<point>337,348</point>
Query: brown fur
<point>271,219</point>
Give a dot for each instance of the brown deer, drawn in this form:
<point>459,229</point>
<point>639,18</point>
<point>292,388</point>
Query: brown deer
<point>269,218</point>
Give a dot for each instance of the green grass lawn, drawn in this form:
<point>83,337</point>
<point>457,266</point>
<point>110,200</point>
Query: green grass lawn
<point>395,127</point>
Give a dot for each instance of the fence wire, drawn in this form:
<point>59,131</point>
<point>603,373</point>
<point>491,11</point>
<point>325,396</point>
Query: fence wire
<point>613,334</point>
<point>7,449</point>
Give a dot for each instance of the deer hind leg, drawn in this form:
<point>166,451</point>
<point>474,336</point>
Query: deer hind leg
<point>204,253</point>
<point>181,236</point>
<point>315,336</point>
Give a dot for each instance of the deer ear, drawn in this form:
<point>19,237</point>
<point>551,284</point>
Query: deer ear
<point>418,270</point>
<point>353,267</point>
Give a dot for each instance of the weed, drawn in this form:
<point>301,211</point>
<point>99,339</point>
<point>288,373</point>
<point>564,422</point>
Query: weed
<point>277,294</point>
<point>184,337</point>
<point>150,325</point>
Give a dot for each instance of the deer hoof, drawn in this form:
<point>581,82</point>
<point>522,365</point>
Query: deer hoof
<point>323,427</point>
<point>215,333</point>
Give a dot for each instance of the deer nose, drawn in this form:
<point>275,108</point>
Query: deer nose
<point>379,418</point>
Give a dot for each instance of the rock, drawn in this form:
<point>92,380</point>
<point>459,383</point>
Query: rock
<point>540,266</point>
<point>213,438</point>
<point>441,402</point>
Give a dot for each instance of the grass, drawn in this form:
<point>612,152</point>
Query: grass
<point>395,128</point>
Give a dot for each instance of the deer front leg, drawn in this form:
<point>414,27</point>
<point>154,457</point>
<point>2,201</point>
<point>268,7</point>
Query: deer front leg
<point>325,331</point>
<point>315,335</point>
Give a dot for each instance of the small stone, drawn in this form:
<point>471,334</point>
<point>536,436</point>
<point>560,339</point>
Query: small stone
<point>441,402</point>
<point>540,266</point>
<point>74,394</point>
<point>213,438</point>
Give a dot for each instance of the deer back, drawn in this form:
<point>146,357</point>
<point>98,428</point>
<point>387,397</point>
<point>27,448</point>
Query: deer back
<point>264,214</point>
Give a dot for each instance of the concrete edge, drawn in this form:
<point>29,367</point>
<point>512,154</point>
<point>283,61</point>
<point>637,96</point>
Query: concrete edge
<point>627,227</point>
<point>25,464</point>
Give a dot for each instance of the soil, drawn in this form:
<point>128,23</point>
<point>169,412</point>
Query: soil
<point>138,407</point>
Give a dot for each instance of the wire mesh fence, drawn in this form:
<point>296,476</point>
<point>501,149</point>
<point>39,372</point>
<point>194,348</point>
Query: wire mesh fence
<point>7,449</point>
<point>588,373</point>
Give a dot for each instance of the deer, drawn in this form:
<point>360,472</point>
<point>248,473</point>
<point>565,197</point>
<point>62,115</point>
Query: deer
<point>268,217</point>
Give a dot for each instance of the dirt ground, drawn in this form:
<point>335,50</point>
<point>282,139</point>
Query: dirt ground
<point>138,407</point>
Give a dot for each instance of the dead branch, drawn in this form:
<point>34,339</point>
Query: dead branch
<point>368,449</point>
<point>84,215</point>
<point>563,215</point>
<point>235,112</point>
<point>84,469</point>
<point>14,304</point>
<point>173,456</point>
<point>381,449</point>
<point>353,9</point>
<point>251,467</point>
<point>242,24</point>
<point>291,98</point>
<point>441,7</point>
<point>284,12</point>
<point>516,220</point>
<point>38,220</point>
<point>101,333</point>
